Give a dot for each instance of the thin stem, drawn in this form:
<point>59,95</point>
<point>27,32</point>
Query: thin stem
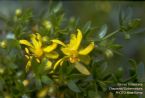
<point>77,95</point>
<point>130,78</point>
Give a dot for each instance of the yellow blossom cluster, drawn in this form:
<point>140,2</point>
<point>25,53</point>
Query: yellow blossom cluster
<point>72,51</point>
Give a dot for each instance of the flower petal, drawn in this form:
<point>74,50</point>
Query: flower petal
<point>33,39</point>
<point>37,60</point>
<point>27,56</point>
<point>59,62</point>
<point>25,42</point>
<point>66,51</point>
<point>27,50</point>
<point>50,47</point>
<point>39,39</point>
<point>58,42</point>
<point>38,36</point>
<point>73,41</point>
<point>52,55</point>
<point>88,49</point>
<point>48,65</point>
<point>28,65</point>
<point>36,43</point>
<point>79,39</point>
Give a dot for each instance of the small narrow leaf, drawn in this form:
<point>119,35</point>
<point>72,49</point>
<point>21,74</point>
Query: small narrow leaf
<point>135,23</point>
<point>57,8</point>
<point>86,27</point>
<point>38,83</point>
<point>46,80</point>
<point>102,84</point>
<point>103,31</point>
<point>71,84</point>
<point>81,68</point>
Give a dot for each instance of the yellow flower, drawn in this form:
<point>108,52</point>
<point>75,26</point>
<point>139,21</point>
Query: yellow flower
<point>37,50</point>
<point>73,52</point>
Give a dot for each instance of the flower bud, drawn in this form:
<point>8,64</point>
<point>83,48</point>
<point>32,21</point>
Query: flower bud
<point>42,93</point>
<point>7,96</point>
<point>127,36</point>
<point>18,12</point>
<point>45,39</point>
<point>2,70</point>
<point>52,90</point>
<point>25,82</point>
<point>110,95</point>
<point>109,53</point>
<point>3,44</point>
<point>47,24</point>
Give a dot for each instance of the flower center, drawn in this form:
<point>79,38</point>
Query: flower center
<point>38,52</point>
<point>74,56</point>
<point>73,59</point>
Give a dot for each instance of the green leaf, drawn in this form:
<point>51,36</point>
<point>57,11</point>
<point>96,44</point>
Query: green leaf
<point>71,84</point>
<point>133,63</point>
<point>103,31</point>
<point>38,83</point>
<point>46,80</point>
<point>135,23</point>
<point>86,27</point>
<point>102,84</point>
<point>81,68</point>
<point>119,72</point>
<point>57,8</point>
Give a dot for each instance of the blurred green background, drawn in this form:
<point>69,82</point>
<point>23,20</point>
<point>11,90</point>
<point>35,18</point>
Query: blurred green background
<point>98,13</point>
